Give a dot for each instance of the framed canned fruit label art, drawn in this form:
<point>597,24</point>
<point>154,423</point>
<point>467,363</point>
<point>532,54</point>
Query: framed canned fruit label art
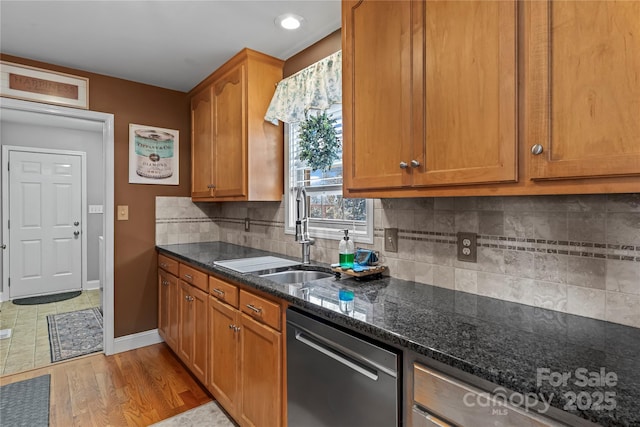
<point>153,155</point>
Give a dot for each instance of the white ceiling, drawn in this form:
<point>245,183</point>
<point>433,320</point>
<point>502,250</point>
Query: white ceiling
<point>171,44</point>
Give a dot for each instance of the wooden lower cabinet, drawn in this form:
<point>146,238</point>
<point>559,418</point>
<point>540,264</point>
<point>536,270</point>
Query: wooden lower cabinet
<point>168,307</point>
<point>224,357</point>
<point>230,339</point>
<point>245,366</point>
<point>192,323</point>
<point>260,373</point>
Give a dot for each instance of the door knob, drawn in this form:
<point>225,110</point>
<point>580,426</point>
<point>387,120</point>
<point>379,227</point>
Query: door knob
<point>537,149</point>
<point>76,233</point>
<point>415,163</point>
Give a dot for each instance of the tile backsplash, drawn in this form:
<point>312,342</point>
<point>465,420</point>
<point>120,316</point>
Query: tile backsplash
<point>574,254</point>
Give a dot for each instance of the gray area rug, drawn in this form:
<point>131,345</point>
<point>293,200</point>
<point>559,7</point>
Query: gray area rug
<point>25,403</point>
<point>208,414</point>
<point>75,333</point>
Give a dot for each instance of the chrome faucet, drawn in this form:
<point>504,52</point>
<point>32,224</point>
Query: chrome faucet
<point>302,224</point>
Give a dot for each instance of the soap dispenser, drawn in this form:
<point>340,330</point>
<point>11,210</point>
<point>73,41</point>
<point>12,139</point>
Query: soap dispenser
<point>346,251</point>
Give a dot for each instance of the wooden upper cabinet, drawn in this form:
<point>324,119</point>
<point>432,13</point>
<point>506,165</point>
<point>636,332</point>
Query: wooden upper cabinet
<point>202,166</point>
<point>376,54</point>
<point>236,154</point>
<point>583,98</point>
<point>431,93</point>
<point>230,135</point>
<point>464,93</point>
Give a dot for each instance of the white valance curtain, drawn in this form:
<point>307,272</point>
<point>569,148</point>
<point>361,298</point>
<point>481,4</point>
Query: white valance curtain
<point>316,87</point>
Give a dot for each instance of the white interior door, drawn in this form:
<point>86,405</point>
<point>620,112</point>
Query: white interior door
<point>45,208</point>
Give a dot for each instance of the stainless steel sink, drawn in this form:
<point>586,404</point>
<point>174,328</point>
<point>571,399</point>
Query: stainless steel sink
<point>296,276</point>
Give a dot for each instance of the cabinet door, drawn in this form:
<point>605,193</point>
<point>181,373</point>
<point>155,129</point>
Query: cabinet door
<point>202,144</point>
<point>173,313</point>
<point>199,361</point>
<point>260,374</point>
<point>185,323</point>
<point>376,93</point>
<point>465,89</point>
<point>223,354</point>
<point>163,304</point>
<point>230,134</point>
<point>583,97</point>
<point>167,304</point>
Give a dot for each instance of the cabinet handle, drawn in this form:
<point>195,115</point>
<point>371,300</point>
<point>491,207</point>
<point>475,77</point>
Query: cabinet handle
<point>218,291</point>
<point>163,265</point>
<point>254,309</point>
<point>403,165</point>
<point>188,277</point>
<point>415,163</point>
<point>537,149</point>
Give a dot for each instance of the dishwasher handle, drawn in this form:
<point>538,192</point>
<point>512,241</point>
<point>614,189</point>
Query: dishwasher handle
<point>327,351</point>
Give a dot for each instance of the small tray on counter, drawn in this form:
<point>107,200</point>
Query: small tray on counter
<point>373,271</point>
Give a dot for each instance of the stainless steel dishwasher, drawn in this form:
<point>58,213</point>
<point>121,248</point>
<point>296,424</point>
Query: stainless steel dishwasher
<point>336,379</point>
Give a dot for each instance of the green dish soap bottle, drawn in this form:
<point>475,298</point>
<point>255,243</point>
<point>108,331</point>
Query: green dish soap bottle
<point>346,251</point>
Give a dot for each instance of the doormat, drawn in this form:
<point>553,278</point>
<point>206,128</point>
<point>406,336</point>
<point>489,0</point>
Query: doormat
<point>75,333</point>
<point>46,299</point>
<point>209,414</point>
<point>26,403</point>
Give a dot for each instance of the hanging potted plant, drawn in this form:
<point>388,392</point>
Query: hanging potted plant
<point>319,142</point>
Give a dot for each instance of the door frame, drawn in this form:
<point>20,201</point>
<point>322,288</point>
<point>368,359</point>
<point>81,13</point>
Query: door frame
<point>107,121</point>
<point>6,150</point>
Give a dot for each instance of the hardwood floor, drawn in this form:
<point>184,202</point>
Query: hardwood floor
<point>134,388</point>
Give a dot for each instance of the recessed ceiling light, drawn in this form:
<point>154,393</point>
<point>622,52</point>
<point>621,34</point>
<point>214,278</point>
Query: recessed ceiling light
<point>289,21</point>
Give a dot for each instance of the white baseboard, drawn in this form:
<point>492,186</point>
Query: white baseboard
<point>91,285</point>
<point>133,341</point>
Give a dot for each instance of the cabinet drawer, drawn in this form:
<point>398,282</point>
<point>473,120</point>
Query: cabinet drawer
<point>195,277</point>
<point>223,291</point>
<point>260,309</point>
<point>466,405</point>
<point>168,264</point>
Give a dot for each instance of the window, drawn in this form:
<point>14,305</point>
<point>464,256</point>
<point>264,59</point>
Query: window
<point>329,212</point>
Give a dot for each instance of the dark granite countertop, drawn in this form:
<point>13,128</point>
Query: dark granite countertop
<point>505,343</point>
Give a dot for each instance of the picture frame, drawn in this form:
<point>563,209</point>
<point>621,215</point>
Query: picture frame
<point>39,85</point>
<point>154,155</point>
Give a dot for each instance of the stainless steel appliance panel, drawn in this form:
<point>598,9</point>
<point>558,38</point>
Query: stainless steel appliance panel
<point>336,379</point>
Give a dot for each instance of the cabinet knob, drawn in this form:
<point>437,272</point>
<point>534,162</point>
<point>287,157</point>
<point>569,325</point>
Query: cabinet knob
<point>415,163</point>
<point>537,149</point>
<point>76,233</point>
<point>211,186</point>
<point>188,276</point>
<point>403,165</point>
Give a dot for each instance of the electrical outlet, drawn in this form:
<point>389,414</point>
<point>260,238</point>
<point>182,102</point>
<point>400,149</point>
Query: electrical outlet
<point>247,224</point>
<point>391,240</point>
<point>467,248</point>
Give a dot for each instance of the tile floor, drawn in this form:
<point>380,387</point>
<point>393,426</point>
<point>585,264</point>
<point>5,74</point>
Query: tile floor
<point>28,346</point>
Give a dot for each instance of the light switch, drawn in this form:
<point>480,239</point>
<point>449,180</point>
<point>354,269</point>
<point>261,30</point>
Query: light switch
<point>123,213</point>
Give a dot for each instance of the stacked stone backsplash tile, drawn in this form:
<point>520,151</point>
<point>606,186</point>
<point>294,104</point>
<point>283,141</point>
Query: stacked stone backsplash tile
<point>178,220</point>
<point>574,254</point>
